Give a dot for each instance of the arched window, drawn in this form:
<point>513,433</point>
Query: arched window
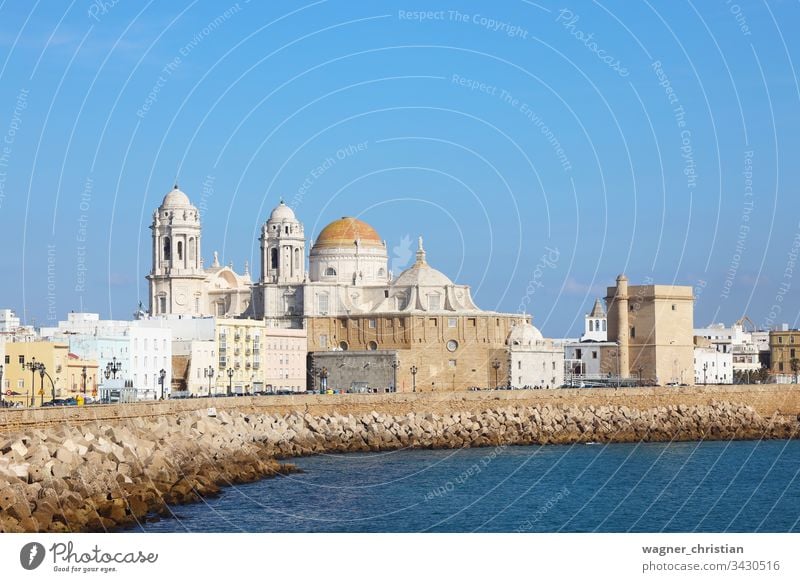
<point>167,254</point>
<point>297,259</point>
<point>372,346</point>
<point>591,325</point>
<point>273,260</point>
<point>604,325</point>
<point>597,325</point>
<point>381,272</point>
<point>180,250</point>
<point>192,248</point>
<point>330,272</point>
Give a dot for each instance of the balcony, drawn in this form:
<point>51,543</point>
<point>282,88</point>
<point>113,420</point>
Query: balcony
<point>237,337</point>
<point>256,365</point>
<point>247,338</point>
<point>247,352</point>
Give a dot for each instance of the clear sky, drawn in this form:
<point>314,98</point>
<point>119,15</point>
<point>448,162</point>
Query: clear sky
<point>540,149</point>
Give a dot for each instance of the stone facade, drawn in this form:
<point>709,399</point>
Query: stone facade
<point>653,325</point>
<point>784,347</point>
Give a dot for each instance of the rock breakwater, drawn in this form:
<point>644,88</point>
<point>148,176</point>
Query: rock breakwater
<point>100,476</point>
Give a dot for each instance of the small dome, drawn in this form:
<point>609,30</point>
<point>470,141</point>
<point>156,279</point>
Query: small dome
<point>524,335</point>
<point>282,212</point>
<point>344,233</point>
<point>176,198</point>
<point>422,274</point>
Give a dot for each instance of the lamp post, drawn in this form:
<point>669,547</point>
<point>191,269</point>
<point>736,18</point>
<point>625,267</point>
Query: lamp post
<point>42,372</point>
<point>640,375</point>
<point>705,369</point>
<point>112,368</point>
<point>209,373</point>
<point>1,386</point>
<point>496,366</point>
<point>32,366</point>
<point>83,374</point>
<point>414,371</point>
<point>395,365</point>
<point>162,375</point>
<point>230,381</point>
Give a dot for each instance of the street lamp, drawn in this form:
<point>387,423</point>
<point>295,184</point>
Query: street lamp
<point>230,381</point>
<point>395,365</point>
<point>83,374</point>
<point>209,373</point>
<point>414,371</point>
<point>1,386</point>
<point>32,366</point>
<point>705,369</point>
<point>496,366</point>
<point>162,374</point>
<point>41,389</point>
<point>113,367</point>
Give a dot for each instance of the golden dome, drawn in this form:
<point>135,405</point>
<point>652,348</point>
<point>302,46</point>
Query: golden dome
<point>344,233</point>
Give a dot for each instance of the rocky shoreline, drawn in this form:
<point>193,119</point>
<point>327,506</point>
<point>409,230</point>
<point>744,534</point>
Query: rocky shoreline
<point>101,476</point>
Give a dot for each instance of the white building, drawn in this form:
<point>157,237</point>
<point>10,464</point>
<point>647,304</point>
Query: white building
<point>749,349</point>
<point>595,324</point>
<point>141,352</point>
<point>712,366</point>
<point>534,362</point>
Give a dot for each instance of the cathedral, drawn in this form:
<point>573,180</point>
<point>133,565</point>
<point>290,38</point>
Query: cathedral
<point>428,328</point>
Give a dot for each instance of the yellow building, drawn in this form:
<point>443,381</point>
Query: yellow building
<point>82,377</point>
<point>21,385</point>
<point>653,325</point>
<point>784,346</point>
<point>260,358</point>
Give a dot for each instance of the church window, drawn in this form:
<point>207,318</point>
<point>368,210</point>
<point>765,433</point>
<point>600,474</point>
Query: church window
<point>381,272</point>
<point>273,259</point>
<point>166,248</point>
<point>192,248</point>
<point>604,325</point>
<point>674,307</point>
<point>197,305</point>
<point>297,259</point>
<point>322,303</point>
<point>519,365</point>
<point>434,302</point>
<point>451,363</point>
<point>591,325</point>
<point>594,354</point>
<point>220,308</point>
<point>633,332</point>
<point>287,230</point>
<point>162,304</point>
<point>372,346</point>
<point>180,250</point>
<point>372,324</point>
<point>323,341</point>
<point>597,325</point>
<point>343,346</point>
<point>386,293</point>
<point>330,272</point>
<point>452,322</point>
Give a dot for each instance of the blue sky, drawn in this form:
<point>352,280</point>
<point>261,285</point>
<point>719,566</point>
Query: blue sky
<point>540,148</point>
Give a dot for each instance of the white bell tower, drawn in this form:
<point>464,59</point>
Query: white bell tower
<point>596,324</point>
<point>283,248</point>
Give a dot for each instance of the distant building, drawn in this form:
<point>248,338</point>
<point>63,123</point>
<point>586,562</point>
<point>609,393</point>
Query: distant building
<point>588,363</point>
<point>785,354</point>
<point>746,347</point>
<point>653,326</point>
<point>534,362</point>
<point>711,366</point>
<point>21,385</point>
<point>139,351</point>
<point>595,324</point>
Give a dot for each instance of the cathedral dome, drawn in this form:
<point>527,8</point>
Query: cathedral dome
<point>525,334</point>
<point>421,273</point>
<point>282,212</point>
<point>176,198</point>
<point>344,233</point>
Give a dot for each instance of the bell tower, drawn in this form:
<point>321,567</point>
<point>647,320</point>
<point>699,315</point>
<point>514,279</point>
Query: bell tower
<point>283,248</point>
<point>177,273</point>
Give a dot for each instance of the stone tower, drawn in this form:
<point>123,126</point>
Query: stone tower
<point>623,332</point>
<point>283,248</point>
<point>176,279</point>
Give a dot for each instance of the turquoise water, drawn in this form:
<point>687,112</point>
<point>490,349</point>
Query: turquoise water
<point>648,487</point>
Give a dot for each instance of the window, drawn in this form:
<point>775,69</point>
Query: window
<point>297,259</point>
<point>633,332</point>
<point>22,360</point>
<point>372,324</point>
<point>594,354</point>
<point>273,258</point>
<point>451,363</point>
<point>578,353</point>
<point>166,253</point>
<point>519,365</point>
<point>591,325</point>
<point>322,303</point>
<point>780,366</point>
<point>330,272</point>
<point>597,325</point>
<point>791,353</point>
<point>8,359</point>
<point>451,322</point>
<point>432,321</point>
<point>372,346</point>
<point>780,340</point>
<point>434,302</point>
<point>604,325</point>
<point>180,252</point>
<point>674,307</point>
<point>386,294</point>
<point>162,307</point>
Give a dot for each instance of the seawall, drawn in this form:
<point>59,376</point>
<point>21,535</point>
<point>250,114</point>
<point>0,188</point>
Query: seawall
<point>102,468</point>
